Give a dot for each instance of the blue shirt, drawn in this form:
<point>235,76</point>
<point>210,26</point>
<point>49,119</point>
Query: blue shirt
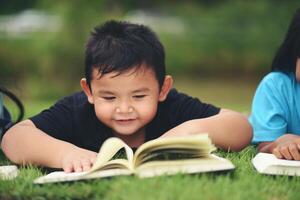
<point>276,107</point>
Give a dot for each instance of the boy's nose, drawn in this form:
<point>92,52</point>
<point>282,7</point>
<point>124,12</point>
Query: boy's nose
<point>124,108</point>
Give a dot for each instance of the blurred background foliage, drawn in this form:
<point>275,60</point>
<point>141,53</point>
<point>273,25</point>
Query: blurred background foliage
<point>204,38</point>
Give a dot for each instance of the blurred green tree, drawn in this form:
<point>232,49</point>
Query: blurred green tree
<point>218,38</point>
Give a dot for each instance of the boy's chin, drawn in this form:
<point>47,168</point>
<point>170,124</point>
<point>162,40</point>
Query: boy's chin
<point>128,132</point>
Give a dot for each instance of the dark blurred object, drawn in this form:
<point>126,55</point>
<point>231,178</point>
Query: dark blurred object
<point>286,58</point>
<point>6,120</point>
<point>8,7</point>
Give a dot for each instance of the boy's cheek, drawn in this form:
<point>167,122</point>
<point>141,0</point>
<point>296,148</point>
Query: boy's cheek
<point>148,112</point>
<point>103,111</point>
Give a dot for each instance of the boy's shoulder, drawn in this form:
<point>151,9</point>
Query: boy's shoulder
<point>78,98</point>
<point>74,103</point>
<point>176,98</point>
<point>174,94</point>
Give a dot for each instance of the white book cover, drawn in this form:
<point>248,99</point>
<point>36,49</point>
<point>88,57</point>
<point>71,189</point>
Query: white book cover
<point>267,163</point>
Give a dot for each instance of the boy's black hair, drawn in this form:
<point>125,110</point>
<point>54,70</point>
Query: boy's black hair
<point>289,51</point>
<point>120,46</point>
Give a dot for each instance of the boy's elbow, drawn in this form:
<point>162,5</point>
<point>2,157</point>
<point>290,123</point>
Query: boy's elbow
<point>241,143</point>
<point>7,139</point>
<point>244,135</point>
<point>11,140</point>
<point>7,146</point>
<point>241,135</point>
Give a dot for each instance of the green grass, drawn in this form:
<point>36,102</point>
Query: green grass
<point>242,183</point>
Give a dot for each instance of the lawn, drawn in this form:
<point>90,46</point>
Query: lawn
<point>242,183</point>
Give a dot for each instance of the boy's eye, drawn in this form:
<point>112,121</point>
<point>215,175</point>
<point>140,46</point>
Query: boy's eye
<point>139,96</point>
<point>109,98</point>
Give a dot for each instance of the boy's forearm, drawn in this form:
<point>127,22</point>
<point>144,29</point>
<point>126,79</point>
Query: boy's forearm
<point>25,144</point>
<point>228,130</point>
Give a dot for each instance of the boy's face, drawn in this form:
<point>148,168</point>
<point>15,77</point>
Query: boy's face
<point>126,102</point>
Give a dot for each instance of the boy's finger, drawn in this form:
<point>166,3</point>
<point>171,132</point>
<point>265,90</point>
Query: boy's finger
<point>68,168</point>
<point>86,165</point>
<point>277,153</point>
<point>77,166</point>
<point>284,150</point>
<point>92,160</point>
<point>293,149</point>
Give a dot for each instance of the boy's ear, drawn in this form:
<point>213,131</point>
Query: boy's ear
<point>166,87</point>
<point>85,87</point>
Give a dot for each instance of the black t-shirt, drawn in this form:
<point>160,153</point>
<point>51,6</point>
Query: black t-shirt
<point>73,119</point>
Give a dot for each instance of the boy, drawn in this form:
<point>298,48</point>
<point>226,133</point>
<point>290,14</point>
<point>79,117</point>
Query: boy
<point>126,94</point>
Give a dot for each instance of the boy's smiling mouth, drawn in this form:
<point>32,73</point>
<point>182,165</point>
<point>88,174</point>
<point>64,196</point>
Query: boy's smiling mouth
<point>124,121</point>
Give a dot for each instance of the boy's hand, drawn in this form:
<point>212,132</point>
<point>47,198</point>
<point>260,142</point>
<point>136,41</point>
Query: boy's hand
<point>78,160</point>
<point>287,147</point>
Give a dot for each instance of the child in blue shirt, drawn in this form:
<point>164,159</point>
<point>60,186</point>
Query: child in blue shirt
<point>275,116</point>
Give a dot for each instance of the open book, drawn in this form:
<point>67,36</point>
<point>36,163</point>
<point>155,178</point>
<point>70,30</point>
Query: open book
<point>163,156</point>
<point>267,163</point>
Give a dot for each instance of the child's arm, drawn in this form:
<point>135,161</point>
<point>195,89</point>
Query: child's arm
<point>26,144</point>
<point>228,130</point>
<point>287,147</point>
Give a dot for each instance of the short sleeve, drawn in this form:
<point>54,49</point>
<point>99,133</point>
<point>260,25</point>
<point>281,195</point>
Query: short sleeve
<point>184,108</point>
<point>57,120</point>
<point>268,116</point>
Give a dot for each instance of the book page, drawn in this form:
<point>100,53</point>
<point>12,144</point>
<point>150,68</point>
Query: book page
<point>108,149</point>
<point>61,176</point>
<point>194,145</point>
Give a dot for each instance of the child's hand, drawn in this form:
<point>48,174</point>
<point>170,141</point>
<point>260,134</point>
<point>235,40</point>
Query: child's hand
<point>287,147</point>
<point>78,160</point>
